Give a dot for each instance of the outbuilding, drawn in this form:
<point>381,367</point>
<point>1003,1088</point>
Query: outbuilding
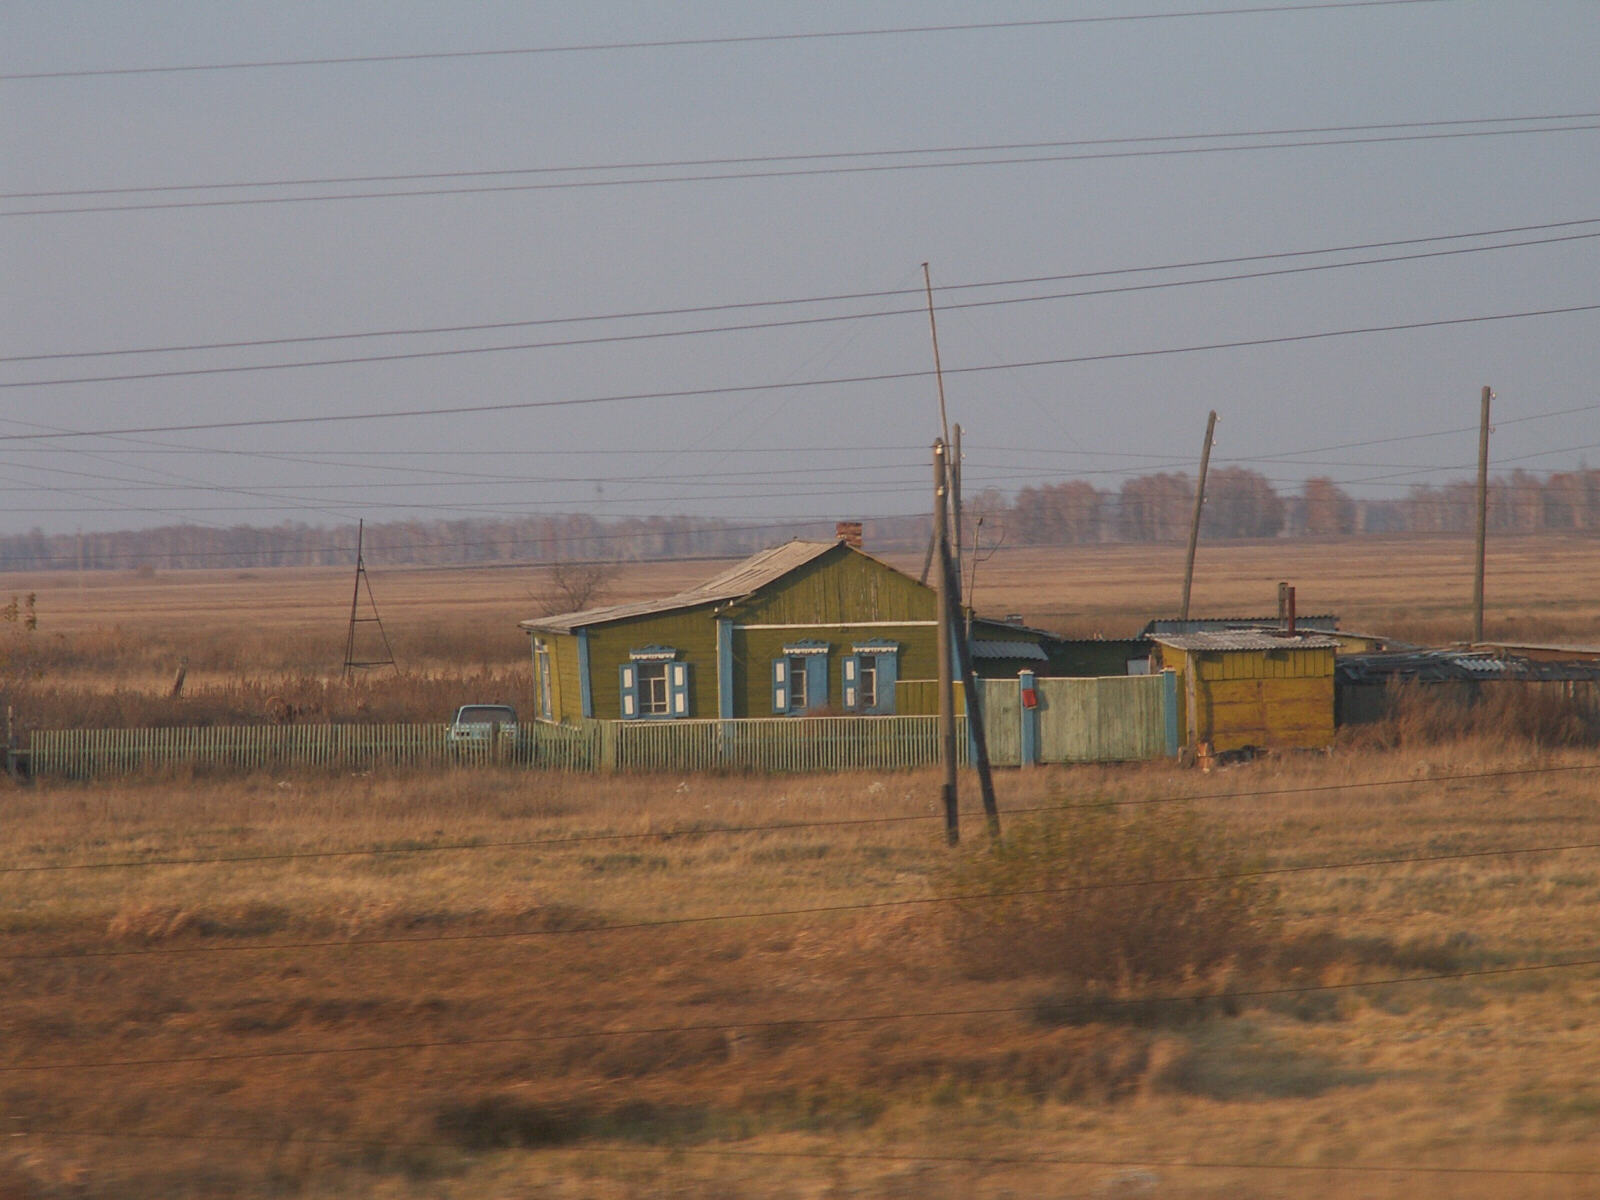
<point>1243,689</point>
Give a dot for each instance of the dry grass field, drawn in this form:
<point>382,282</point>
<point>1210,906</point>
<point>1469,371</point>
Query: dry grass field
<point>615,987</point>
<point>250,635</point>
<point>468,984</point>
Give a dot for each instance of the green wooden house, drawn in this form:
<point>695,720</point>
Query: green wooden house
<point>802,628</point>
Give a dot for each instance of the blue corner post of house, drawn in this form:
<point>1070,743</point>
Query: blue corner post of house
<point>974,715</point>
<point>1028,718</point>
<point>1169,705</point>
<point>725,668</point>
<point>725,686</point>
<point>585,685</point>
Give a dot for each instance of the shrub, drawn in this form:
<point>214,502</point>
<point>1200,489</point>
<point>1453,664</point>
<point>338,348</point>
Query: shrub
<point>1540,714</point>
<point>1105,899</point>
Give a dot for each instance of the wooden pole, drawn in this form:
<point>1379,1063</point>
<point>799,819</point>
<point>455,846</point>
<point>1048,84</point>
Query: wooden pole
<point>1199,502</point>
<point>1483,516</point>
<point>955,505</point>
<point>947,698</point>
<point>938,372</point>
<point>944,421</point>
<point>355,601</point>
<point>969,683</point>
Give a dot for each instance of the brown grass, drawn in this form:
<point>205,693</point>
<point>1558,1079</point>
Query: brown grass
<point>109,644</point>
<point>539,1054</point>
<point>736,1069</point>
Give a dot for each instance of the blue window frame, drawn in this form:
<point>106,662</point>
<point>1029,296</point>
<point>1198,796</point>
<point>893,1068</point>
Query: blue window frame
<point>867,677</point>
<point>653,685</point>
<point>800,679</point>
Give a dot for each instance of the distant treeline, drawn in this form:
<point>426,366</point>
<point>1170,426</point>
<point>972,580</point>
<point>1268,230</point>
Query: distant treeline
<point>1243,504</point>
<point>1240,503</point>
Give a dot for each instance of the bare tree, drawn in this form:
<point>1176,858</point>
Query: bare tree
<point>567,586</point>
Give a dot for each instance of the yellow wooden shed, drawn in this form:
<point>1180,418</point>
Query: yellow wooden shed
<point>1251,688</point>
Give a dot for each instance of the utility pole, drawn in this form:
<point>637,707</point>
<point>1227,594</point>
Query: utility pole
<point>351,663</point>
<point>1483,516</point>
<point>944,421</point>
<point>1199,502</point>
<point>947,698</point>
<point>955,503</point>
<point>955,618</point>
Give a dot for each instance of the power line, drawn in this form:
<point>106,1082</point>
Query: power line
<point>788,385</point>
<point>779,827</point>
<point>657,335</point>
<point>787,1022</point>
<point>796,172</point>
<point>880,1156</point>
<point>696,310</point>
<point>808,911</point>
<point>726,40</point>
<point>745,160</point>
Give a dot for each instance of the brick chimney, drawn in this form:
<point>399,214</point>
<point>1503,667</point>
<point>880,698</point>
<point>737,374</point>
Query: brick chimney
<point>848,532</point>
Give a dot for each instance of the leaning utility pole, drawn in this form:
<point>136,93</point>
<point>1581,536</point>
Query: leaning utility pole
<point>1483,517</point>
<point>947,698</point>
<point>955,503</point>
<point>955,618</point>
<point>1199,501</point>
<point>944,421</point>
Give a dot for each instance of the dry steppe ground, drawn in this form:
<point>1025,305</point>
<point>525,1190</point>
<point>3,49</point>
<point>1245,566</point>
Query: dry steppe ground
<point>125,627</point>
<point>545,1011</point>
<point>468,984</point>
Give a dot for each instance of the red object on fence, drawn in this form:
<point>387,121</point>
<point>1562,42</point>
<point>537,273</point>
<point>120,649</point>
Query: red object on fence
<point>1030,698</point>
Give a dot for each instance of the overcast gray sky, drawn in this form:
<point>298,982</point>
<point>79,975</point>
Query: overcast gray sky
<point>1019,160</point>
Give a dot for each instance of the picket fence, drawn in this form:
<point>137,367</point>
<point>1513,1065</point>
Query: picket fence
<point>764,744</point>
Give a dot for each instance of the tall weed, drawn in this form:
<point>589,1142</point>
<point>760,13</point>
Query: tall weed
<point>1539,714</point>
<point>1108,899</point>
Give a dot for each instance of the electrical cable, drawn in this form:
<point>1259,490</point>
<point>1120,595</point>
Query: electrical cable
<point>746,160</point>
<point>727,40</point>
<point>701,309</point>
<point>793,173</point>
<point>734,389</point>
<point>835,1021</point>
<point>778,827</point>
<point>676,1150</point>
<point>657,335</point>
<point>808,911</point>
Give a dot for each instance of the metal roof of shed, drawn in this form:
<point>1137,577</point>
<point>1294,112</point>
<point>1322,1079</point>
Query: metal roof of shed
<point>1323,623</point>
<point>1020,650</point>
<point>1245,639</point>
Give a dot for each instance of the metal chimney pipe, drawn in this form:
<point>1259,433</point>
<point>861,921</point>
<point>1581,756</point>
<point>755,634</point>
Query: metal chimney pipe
<point>1290,597</point>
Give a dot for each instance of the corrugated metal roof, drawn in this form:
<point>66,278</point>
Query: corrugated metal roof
<point>1245,639</point>
<point>738,581</point>
<point>1322,622</point>
<point>1025,650</point>
<point>1442,666</point>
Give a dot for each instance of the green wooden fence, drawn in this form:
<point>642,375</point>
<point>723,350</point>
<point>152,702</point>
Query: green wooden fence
<point>776,744</point>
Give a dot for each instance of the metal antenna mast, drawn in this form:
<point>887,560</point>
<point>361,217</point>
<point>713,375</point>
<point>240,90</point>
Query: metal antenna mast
<point>351,663</point>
